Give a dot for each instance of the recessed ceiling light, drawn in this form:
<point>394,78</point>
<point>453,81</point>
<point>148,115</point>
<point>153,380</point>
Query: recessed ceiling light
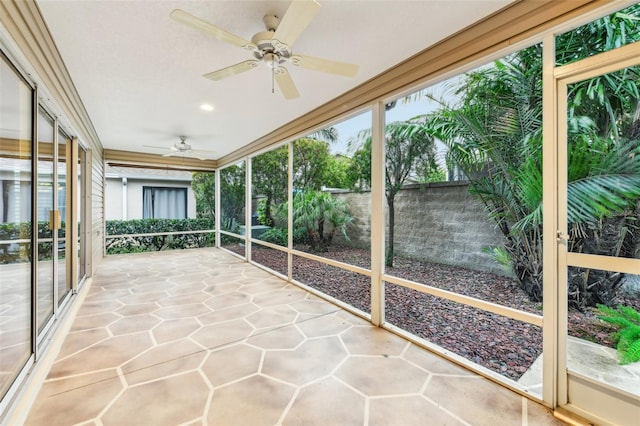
<point>206,107</point>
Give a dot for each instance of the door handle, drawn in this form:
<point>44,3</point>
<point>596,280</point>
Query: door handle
<point>54,220</point>
<point>561,237</point>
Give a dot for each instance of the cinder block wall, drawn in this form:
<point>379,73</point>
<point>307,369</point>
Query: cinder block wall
<point>439,222</point>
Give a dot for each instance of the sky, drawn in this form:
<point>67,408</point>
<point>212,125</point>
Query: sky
<point>402,111</point>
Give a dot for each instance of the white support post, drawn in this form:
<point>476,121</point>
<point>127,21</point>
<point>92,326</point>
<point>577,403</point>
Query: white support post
<point>549,226</point>
<point>125,196</point>
<point>290,213</point>
<point>247,209</point>
<point>377,213</point>
<point>217,202</point>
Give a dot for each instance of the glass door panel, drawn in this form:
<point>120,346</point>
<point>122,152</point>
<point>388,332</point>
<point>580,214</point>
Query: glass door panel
<point>81,196</point>
<point>599,220</point>
<point>15,225</point>
<point>63,285</point>
<point>45,206</point>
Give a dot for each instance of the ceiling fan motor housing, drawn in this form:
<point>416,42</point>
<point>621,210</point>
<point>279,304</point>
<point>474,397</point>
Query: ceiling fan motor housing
<point>271,51</point>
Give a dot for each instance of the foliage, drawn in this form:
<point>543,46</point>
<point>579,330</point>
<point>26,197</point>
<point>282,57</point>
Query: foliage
<point>21,252</point>
<point>321,216</point>
<point>232,196</point>
<point>493,132</point>
<point>136,244</point>
<point>409,147</point>
<point>428,173</point>
<point>338,173</point>
<point>203,185</point>
<point>269,178</point>
<point>264,218</point>
<point>275,236</point>
<point>310,164</point>
<point>328,134</point>
<point>627,338</point>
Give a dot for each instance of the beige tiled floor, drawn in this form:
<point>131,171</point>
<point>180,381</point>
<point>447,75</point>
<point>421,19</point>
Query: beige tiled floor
<point>199,337</point>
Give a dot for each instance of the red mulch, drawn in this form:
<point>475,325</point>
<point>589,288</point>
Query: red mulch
<point>503,345</point>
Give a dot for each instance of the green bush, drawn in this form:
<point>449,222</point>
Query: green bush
<point>275,236</point>
<point>320,215</point>
<point>137,244</point>
<point>627,338</point>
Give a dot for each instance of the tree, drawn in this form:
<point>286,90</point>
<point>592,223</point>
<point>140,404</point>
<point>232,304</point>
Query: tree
<point>232,196</point>
<point>310,162</point>
<point>203,185</point>
<point>338,172</point>
<point>494,134</point>
<point>269,177</point>
<point>328,134</point>
<point>409,146</point>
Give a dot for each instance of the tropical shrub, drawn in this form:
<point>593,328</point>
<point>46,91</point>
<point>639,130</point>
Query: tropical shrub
<point>627,336</point>
<point>275,236</point>
<point>320,216</point>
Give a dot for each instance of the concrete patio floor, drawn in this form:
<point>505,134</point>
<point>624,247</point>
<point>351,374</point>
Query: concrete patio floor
<point>199,337</point>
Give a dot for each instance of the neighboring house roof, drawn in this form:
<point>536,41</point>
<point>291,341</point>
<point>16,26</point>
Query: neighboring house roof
<point>115,172</point>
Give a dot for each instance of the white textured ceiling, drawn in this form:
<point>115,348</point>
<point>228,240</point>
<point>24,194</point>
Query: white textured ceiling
<point>139,73</point>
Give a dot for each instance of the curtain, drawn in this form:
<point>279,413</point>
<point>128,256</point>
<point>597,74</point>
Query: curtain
<point>15,201</point>
<point>164,203</point>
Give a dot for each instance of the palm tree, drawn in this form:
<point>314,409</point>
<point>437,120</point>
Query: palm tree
<point>495,131</point>
<point>320,215</point>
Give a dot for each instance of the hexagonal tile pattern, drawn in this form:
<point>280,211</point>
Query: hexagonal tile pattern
<point>408,410</point>
<point>272,317</point>
<point>164,360</point>
<point>327,402</point>
<point>318,326</point>
<point>58,401</point>
<point>288,337</point>
<point>312,360</point>
<point>231,364</point>
<point>133,324</point>
<point>228,299</point>
<point>392,376</point>
<point>199,337</point>
<point>372,341</point>
<point>169,401</point>
<point>216,335</point>
<point>175,329</point>
<point>253,401</point>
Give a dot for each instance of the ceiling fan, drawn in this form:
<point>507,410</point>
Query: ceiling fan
<point>183,149</point>
<point>272,47</point>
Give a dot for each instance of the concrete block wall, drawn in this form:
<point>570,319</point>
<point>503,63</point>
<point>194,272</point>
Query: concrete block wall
<point>439,222</point>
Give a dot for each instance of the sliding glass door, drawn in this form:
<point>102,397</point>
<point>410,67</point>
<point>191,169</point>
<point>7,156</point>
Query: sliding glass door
<point>16,105</point>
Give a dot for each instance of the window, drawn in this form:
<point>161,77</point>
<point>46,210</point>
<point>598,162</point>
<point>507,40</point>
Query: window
<point>164,203</point>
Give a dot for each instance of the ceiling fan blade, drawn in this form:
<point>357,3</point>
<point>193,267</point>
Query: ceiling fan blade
<point>325,65</point>
<point>232,70</point>
<point>197,23</point>
<point>295,20</point>
<point>285,83</point>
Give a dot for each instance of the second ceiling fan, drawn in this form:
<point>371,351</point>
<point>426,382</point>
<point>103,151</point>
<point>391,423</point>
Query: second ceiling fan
<point>272,47</point>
